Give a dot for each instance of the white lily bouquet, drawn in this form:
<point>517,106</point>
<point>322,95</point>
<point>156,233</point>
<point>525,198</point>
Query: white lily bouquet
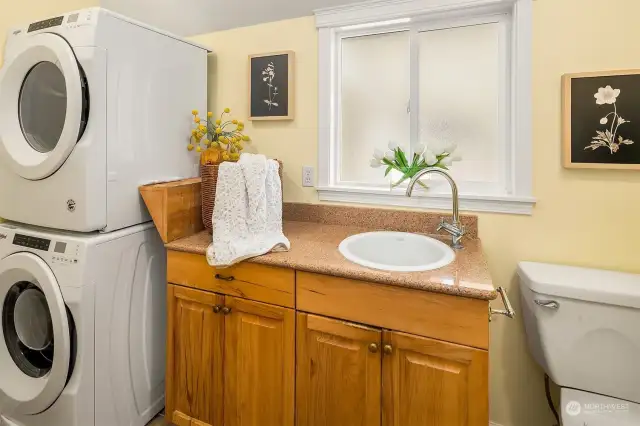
<point>396,159</point>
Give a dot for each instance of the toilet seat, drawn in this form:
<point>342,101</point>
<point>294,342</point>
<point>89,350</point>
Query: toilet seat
<point>579,408</point>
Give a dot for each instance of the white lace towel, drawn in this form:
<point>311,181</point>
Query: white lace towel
<point>247,214</point>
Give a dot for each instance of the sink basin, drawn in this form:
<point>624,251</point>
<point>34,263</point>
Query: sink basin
<point>396,251</point>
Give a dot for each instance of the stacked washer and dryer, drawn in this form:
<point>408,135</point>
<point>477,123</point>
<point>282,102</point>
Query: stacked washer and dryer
<point>92,105</point>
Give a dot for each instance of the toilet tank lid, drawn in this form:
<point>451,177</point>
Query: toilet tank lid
<point>593,285</point>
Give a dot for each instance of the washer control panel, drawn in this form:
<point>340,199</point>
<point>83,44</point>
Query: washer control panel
<point>31,242</point>
<point>59,251</point>
<point>47,23</point>
<point>62,251</point>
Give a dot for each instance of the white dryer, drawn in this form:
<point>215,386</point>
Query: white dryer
<point>82,341</point>
<point>92,105</point>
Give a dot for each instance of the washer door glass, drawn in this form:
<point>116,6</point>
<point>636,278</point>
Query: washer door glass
<point>43,106</point>
<point>27,329</point>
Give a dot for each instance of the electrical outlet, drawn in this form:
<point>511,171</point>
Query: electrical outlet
<point>307,176</point>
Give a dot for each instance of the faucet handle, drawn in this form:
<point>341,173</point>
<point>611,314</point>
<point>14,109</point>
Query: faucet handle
<point>442,224</point>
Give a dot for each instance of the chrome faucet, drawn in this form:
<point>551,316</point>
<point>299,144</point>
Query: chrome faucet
<point>454,228</point>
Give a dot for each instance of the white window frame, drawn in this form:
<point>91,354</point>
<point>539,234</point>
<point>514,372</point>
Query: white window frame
<point>380,16</point>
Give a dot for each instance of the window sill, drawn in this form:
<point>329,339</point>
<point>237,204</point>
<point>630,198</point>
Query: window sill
<point>385,197</point>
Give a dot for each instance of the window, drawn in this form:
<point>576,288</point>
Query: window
<point>447,74</point>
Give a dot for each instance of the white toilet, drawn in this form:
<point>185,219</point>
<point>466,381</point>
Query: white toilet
<point>583,328</point>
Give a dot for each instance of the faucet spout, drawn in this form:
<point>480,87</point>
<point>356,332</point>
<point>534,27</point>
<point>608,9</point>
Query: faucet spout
<point>454,228</point>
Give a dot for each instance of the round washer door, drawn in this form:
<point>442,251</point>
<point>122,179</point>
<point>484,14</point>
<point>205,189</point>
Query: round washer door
<point>43,106</point>
<point>35,338</point>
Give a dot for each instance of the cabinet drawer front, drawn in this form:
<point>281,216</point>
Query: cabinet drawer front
<point>444,317</point>
<point>263,283</point>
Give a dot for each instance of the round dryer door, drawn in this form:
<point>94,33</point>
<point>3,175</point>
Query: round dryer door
<point>44,105</point>
<point>35,338</point>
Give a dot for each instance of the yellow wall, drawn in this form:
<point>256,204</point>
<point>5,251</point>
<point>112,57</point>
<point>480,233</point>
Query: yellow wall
<point>293,142</point>
<point>582,217</point>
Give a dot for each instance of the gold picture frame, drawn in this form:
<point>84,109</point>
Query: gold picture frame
<point>272,90</point>
<point>588,96</point>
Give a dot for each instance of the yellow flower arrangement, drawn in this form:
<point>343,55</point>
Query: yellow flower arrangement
<point>217,140</point>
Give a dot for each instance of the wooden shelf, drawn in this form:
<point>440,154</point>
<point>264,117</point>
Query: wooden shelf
<point>175,207</point>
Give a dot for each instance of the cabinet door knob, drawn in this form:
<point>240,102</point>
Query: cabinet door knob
<point>217,309</point>
<point>226,310</point>
<point>388,349</point>
<point>373,348</point>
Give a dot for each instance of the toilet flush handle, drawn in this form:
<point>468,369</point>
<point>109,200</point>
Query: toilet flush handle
<point>508,311</point>
<point>551,304</point>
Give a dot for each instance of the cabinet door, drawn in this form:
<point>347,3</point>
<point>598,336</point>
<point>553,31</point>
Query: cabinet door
<point>338,374</point>
<point>428,382</point>
<point>194,358</point>
<point>259,354</point>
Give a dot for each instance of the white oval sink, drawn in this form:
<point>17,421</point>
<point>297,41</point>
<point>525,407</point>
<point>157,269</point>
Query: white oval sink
<point>396,251</point>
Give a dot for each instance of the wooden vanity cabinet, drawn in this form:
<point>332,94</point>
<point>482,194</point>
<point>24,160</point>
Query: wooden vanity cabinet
<point>259,364</point>
<point>229,361</point>
<point>427,382</point>
<point>195,340</point>
<point>352,375</point>
<point>258,345</point>
<point>338,373</point>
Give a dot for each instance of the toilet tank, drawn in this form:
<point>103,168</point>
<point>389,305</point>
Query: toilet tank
<point>588,334</point>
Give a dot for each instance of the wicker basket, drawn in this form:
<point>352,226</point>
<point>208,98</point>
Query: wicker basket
<point>209,174</point>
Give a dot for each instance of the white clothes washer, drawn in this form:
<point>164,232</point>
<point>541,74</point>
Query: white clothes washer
<point>83,321</point>
<point>92,105</point>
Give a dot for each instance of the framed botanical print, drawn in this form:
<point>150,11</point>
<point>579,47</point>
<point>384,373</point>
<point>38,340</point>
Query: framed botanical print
<point>271,86</point>
<point>601,120</point>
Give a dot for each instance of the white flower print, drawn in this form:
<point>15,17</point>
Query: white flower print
<point>606,95</point>
<point>609,138</point>
<point>268,74</point>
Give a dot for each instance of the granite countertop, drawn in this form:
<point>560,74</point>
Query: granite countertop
<point>314,248</point>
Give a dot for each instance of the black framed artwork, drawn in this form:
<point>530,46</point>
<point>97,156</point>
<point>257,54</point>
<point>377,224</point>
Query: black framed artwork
<point>271,87</point>
<point>601,120</point>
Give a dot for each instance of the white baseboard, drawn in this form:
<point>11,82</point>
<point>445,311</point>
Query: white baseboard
<point>494,424</point>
